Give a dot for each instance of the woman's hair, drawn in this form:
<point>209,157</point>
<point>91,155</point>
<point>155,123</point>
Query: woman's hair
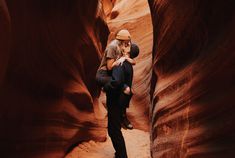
<point>134,50</point>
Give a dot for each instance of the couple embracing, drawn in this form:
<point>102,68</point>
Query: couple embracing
<point>115,76</point>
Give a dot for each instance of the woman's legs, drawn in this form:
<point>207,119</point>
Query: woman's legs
<point>112,81</point>
<point>102,77</point>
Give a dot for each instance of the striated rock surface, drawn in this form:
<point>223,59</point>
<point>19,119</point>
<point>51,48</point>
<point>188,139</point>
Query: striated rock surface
<point>47,97</point>
<point>194,73</point>
<point>49,53</point>
<point>135,16</point>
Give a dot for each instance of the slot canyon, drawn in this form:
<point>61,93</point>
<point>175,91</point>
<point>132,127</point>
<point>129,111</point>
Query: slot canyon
<point>183,82</point>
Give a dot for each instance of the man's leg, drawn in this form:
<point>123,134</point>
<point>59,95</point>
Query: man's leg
<point>114,126</point>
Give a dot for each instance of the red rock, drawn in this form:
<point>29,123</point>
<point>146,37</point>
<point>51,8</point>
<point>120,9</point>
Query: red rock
<point>4,39</point>
<point>192,113</point>
<point>47,97</point>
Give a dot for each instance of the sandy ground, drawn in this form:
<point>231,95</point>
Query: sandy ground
<point>137,143</point>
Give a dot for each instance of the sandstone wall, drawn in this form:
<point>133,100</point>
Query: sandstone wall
<point>194,71</point>
<point>49,71</point>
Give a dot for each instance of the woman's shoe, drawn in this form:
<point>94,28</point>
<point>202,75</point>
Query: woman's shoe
<point>126,124</point>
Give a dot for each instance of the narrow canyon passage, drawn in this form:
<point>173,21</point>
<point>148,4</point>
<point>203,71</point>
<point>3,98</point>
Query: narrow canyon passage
<point>135,16</point>
<point>183,105</point>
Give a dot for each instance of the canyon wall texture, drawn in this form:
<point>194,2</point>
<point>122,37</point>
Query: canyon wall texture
<point>193,79</point>
<point>50,51</point>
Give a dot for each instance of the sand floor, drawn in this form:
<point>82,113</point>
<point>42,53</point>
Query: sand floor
<point>137,143</point>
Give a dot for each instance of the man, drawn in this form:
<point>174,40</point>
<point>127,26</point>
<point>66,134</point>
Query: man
<point>117,102</point>
<point>125,96</point>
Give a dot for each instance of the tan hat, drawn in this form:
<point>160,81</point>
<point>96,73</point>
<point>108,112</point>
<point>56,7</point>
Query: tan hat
<point>123,35</point>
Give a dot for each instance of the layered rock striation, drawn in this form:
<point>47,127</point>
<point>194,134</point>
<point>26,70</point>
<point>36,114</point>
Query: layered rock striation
<point>50,51</point>
<point>193,76</point>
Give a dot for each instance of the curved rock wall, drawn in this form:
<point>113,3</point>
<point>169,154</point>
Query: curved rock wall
<point>47,97</point>
<point>194,73</point>
<point>50,50</point>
